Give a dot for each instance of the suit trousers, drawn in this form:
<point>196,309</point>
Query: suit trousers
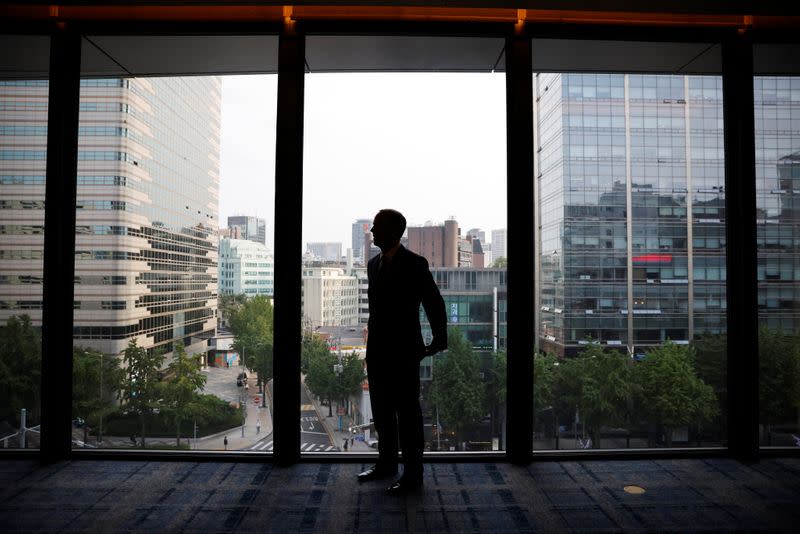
<point>394,395</point>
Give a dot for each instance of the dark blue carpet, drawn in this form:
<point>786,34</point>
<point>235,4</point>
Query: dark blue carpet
<point>713,495</point>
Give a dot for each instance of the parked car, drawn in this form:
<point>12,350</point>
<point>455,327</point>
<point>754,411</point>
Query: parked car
<point>372,442</point>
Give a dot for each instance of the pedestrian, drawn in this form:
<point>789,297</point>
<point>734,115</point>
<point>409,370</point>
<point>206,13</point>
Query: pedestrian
<point>258,426</point>
<point>345,444</point>
<point>225,441</point>
<point>398,282</point>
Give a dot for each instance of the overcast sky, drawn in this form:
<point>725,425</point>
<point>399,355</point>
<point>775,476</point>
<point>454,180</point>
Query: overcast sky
<point>430,145</point>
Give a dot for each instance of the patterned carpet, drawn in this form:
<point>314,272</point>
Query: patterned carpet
<point>712,495</point>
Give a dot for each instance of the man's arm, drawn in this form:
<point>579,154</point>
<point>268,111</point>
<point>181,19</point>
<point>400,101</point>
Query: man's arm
<point>433,303</point>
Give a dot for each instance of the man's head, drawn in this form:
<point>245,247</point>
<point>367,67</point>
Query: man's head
<point>387,228</point>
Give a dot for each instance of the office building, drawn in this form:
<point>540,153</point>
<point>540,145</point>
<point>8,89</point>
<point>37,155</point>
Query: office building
<point>499,247</point>
<point>632,240</point>
<point>330,297</point>
<point>325,251</point>
<point>247,227</point>
<point>146,233</point>
<point>360,227</point>
<point>439,244</point>
<point>245,267</point>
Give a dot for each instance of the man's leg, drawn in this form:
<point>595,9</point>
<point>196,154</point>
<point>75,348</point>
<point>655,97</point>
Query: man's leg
<point>409,416</point>
<point>383,413</point>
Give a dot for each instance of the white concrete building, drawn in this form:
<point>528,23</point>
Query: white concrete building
<point>330,297</point>
<point>245,267</point>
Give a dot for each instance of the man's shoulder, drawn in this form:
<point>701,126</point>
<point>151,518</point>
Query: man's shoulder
<point>413,257</point>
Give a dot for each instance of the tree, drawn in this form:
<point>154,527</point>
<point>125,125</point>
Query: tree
<point>496,389</point>
<point>141,385</point>
<point>320,376</point>
<point>352,376</point>
<point>313,346</point>
<point>669,390</point>
<point>182,388</point>
<point>596,384</point>
<point>20,369</point>
<point>711,364</point>
<point>96,381</point>
<point>779,377</point>
<point>251,324</point>
<point>500,263</point>
<point>456,392</point>
<point>544,369</point>
<point>228,304</point>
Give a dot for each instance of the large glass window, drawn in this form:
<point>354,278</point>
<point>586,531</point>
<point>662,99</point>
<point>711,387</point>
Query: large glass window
<point>631,311</point>
<point>777,143</point>
<point>432,146</point>
<point>173,256</point>
<point>23,163</point>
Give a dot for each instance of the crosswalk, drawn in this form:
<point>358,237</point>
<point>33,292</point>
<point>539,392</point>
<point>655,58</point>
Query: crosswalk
<point>304,447</point>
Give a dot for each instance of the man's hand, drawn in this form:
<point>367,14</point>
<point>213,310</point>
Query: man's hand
<point>436,345</point>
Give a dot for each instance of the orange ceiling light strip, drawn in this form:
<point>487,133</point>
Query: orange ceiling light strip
<point>278,13</point>
<point>439,14</point>
<point>632,18</point>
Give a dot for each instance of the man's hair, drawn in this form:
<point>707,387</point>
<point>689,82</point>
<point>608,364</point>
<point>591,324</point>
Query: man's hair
<point>395,220</point>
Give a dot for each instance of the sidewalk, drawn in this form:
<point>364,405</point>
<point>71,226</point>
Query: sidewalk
<point>254,413</point>
<point>331,425</point>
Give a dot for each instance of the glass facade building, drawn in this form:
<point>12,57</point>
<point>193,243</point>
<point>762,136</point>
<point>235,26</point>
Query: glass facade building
<point>250,228</point>
<point>147,202</point>
<point>632,226</point>
<point>245,268</point>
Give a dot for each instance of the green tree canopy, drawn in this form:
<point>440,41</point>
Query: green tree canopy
<point>669,391</point>
<point>96,382</point>
<point>320,376</point>
<point>141,386</point>
<point>544,369</point>
<point>313,347</point>
<point>252,324</point>
<point>456,391</point>
<point>182,390</point>
<point>20,369</point>
<point>500,263</point>
<point>597,384</point>
<point>779,376</point>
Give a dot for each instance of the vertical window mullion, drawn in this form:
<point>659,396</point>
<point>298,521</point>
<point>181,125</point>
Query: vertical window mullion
<point>521,217</point>
<point>740,215</point>
<point>59,244</point>
<point>288,245</point>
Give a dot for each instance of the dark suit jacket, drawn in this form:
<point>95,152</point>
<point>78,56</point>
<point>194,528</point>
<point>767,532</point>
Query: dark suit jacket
<point>394,298</point>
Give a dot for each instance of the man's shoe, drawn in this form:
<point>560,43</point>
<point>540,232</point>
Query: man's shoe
<point>376,472</point>
<point>403,485</point>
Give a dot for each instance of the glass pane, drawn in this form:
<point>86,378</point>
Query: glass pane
<point>431,146</point>
<point>23,162</point>
<point>631,311</point>
<point>173,308</point>
<point>777,125</point>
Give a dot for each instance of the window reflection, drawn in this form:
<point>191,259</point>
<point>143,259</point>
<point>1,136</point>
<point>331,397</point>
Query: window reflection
<point>630,183</point>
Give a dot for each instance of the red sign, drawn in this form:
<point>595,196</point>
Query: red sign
<point>653,258</point>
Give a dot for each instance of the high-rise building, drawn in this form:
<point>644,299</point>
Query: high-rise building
<point>330,297</point>
<point>439,244</point>
<point>499,249</point>
<point>325,251</point>
<point>477,232</point>
<point>360,227</point>
<point>777,128</point>
<point>632,223</point>
<point>248,227</point>
<point>146,225</point>
<point>245,268</point>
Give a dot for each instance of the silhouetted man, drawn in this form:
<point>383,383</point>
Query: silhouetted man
<point>399,281</point>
